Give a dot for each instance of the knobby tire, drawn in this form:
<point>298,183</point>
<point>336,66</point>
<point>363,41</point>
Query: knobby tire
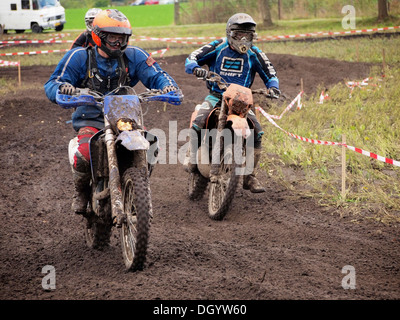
<point>222,192</point>
<point>137,206</point>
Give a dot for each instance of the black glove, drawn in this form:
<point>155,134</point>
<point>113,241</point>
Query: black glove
<point>274,93</point>
<point>169,89</point>
<point>67,88</point>
<point>200,72</point>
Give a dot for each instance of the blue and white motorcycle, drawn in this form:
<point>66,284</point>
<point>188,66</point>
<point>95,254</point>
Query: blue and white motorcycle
<point>123,155</point>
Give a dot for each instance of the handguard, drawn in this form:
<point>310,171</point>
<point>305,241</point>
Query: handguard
<point>68,102</point>
<point>172,97</point>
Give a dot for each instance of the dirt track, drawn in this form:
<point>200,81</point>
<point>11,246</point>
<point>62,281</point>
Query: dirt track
<point>270,246</point>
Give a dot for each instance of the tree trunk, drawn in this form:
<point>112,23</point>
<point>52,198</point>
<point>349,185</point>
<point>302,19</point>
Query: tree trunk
<point>176,13</point>
<point>264,9</point>
<point>279,9</point>
<point>382,10</point>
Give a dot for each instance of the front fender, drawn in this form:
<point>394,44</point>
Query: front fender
<point>239,125</point>
<point>133,140</point>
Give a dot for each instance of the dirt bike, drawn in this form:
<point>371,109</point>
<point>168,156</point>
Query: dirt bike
<point>123,155</point>
<point>221,156</point>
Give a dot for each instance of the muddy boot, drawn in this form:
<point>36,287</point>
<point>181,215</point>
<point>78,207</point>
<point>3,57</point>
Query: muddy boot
<point>81,191</point>
<point>250,181</point>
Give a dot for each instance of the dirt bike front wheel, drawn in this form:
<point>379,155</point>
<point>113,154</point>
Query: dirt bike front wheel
<point>222,192</point>
<point>138,209</point>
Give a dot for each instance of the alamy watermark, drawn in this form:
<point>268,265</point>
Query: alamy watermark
<point>349,20</point>
<point>241,145</point>
<point>349,280</point>
<point>49,280</point>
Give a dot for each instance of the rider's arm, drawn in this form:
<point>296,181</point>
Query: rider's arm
<point>142,67</point>
<point>71,69</point>
<point>265,68</point>
<point>201,56</point>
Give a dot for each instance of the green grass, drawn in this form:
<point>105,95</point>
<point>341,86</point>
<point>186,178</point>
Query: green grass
<point>370,120</point>
<point>139,16</point>
<point>353,50</point>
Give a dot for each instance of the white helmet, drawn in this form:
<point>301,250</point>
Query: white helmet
<point>89,17</point>
<point>241,31</point>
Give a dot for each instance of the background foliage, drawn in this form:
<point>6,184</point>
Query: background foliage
<point>214,11</point>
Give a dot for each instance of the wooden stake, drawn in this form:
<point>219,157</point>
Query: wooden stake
<point>19,73</point>
<point>301,84</point>
<point>383,61</point>
<point>343,167</point>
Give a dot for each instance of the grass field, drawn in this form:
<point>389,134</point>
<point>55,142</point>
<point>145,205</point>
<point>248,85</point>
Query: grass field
<point>139,16</point>
<point>370,119</point>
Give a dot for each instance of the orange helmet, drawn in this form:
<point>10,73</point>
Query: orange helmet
<point>111,27</point>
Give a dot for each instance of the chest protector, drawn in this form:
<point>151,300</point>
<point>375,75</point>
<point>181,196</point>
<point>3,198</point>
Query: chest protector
<point>95,81</point>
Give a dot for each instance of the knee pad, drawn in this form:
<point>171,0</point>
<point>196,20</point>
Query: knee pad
<point>203,111</point>
<point>78,149</point>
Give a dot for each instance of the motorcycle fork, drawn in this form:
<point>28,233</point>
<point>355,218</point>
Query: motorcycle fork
<point>117,211</point>
<point>217,150</point>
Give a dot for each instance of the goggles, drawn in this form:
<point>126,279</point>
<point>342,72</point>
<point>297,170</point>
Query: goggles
<point>240,34</point>
<point>115,39</point>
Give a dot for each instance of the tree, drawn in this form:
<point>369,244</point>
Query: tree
<point>264,9</point>
<point>382,10</point>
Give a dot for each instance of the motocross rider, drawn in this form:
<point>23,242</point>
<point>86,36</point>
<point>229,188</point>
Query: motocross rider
<point>102,68</point>
<point>85,38</point>
<point>236,60</point>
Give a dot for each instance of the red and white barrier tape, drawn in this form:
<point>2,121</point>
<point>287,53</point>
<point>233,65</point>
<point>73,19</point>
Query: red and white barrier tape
<point>353,84</point>
<point>361,151</point>
<point>374,155</point>
<point>162,51</point>
<point>184,39</point>
<point>323,97</point>
<point>298,97</point>
<point>269,117</point>
<point>34,41</point>
<point>328,33</point>
<point>4,63</point>
<point>175,40</point>
<point>32,52</point>
<point>361,84</point>
<point>302,35</point>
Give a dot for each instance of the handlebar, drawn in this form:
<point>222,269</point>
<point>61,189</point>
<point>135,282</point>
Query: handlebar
<point>93,98</point>
<point>264,92</point>
<point>223,85</point>
<point>215,77</point>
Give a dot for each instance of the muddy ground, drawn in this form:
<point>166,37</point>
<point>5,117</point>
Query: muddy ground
<point>270,246</point>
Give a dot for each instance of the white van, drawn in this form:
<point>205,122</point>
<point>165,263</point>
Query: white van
<point>21,15</point>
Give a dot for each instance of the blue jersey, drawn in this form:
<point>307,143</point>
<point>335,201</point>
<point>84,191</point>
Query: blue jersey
<point>73,69</point>
<point>232,66</point>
